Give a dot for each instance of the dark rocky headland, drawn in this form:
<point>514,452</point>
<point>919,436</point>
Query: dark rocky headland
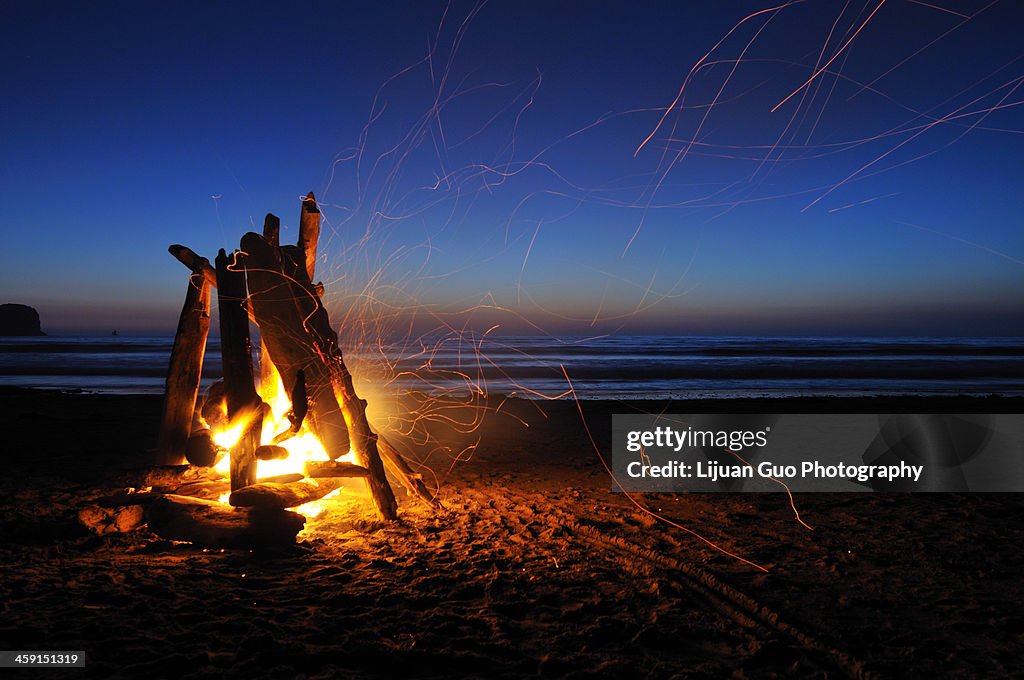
<point>19,320</point>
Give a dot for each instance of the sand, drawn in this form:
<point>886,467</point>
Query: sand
<point>536,569</point>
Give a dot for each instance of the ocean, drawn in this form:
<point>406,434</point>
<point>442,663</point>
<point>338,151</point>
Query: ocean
<point>652,367</point>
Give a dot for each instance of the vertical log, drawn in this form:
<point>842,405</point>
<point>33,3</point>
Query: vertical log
<point>236,352</point>
<point>309,233</point>
<point>272,229</point>
<point>184,372</point>
<point>269,377</point>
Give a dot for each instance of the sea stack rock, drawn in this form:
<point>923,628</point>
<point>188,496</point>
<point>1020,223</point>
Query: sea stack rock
<point>19,320</point>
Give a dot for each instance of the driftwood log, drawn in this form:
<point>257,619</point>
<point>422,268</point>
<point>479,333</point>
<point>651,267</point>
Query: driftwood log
<point>271,452</point>
<point>214,407</point>
<point>212,490</point>
<point>198,265</point>
<point>272,229</point>
<point>184,372</point>
<point>269,376</point>
<point>276,496</point>
<point>309,234</point>
<point>201,450</point>
<point>411,480</point>
<point>168,477</point>
<point>215,525</point>
<point>316,469</point>
<point>244,405</point>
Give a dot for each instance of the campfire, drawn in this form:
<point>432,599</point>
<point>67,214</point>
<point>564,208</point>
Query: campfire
<point>265,450</point>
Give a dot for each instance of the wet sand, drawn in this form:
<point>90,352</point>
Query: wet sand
<point>535,569</point>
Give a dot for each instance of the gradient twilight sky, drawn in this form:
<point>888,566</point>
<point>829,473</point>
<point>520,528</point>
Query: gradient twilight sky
<point>484,158</point>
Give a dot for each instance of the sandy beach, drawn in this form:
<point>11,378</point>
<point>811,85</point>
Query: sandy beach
<point>536,568</point>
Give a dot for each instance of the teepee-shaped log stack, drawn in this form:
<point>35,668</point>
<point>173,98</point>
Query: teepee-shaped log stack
<point>273,286</point>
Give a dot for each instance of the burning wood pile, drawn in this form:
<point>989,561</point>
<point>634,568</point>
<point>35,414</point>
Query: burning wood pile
<point>284,439</point>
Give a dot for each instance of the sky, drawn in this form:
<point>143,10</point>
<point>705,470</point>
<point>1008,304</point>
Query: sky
<point>562,167</point>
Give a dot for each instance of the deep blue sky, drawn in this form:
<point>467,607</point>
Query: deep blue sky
<point>131,126</point>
